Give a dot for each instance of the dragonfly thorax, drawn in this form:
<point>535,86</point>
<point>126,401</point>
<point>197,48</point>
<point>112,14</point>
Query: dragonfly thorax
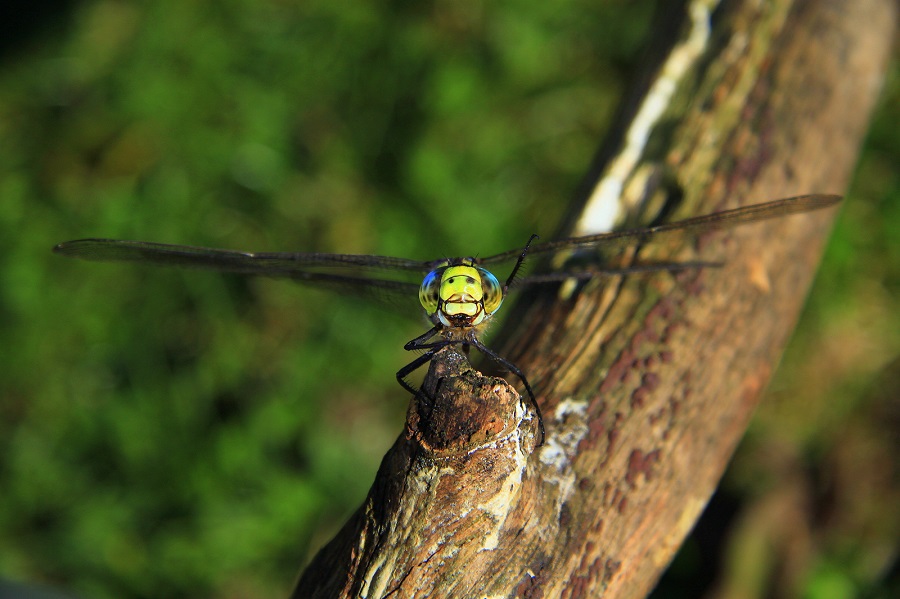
<point>460,295</point>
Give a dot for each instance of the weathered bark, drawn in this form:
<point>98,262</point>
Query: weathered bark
<point>646,383</point>
<point>443,498</point>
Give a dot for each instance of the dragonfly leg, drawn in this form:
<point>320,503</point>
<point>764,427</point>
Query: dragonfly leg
<point>419,342</point>
<point>515,370</point>
<point>414,365</point>
<point>422,342</point>
<point>518,265</point>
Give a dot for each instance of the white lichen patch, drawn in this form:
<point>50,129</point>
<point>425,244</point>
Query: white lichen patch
<point>570,418</point>
<point>571,427</point>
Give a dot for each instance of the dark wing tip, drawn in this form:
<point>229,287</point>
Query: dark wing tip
<point>77,248</point>
<point>67,248</point>
<point>824,199</point>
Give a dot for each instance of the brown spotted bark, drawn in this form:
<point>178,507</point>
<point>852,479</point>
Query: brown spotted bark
<point>646,383</point>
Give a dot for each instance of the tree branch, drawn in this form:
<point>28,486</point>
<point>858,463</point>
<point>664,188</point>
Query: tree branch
<point>646,383</point>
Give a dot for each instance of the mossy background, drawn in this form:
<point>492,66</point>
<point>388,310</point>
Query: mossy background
<point>184,434</point>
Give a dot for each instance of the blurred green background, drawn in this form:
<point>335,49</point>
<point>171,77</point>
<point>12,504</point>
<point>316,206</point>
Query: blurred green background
<point>184,434</point>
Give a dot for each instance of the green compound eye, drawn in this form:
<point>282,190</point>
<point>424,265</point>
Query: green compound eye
<point>430,290</point>
<point>492,291</point>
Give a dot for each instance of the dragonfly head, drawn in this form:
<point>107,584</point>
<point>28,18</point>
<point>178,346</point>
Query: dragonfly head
<point>460,294</point>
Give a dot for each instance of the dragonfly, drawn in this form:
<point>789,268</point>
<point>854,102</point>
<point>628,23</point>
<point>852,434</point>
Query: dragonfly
<point>458,295</point>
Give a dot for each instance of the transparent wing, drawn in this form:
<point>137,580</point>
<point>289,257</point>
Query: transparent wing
<point>691,226</point>
<point>302,268</point>
<point>600,273</point>
<point>259,263</point>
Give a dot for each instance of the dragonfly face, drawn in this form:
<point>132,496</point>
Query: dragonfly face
<point>460,294</point>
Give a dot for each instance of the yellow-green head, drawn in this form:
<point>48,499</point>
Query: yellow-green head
<point>460,295</point>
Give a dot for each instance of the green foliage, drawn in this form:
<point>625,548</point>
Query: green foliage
<point>172,434</point>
